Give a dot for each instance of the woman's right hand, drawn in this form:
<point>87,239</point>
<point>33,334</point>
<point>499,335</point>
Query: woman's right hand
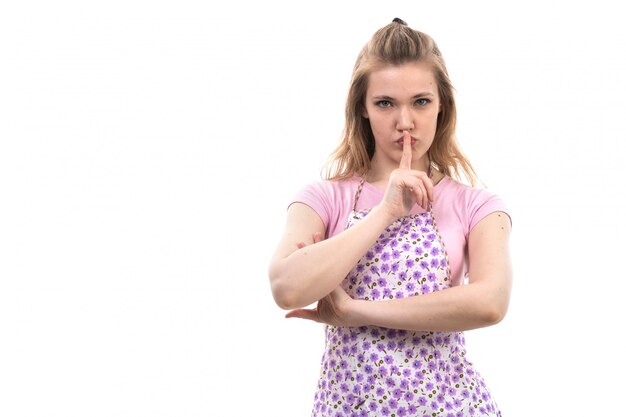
<point>406,186</point>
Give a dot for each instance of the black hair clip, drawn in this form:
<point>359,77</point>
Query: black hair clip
<point>398,20</point>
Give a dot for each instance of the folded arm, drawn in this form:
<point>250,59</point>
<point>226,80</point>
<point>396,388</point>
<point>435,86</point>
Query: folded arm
<point>483,302</point>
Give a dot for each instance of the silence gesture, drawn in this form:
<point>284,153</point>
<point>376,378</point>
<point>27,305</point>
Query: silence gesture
<point>407,186</point>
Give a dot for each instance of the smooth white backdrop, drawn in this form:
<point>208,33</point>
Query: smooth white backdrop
<point>148,151</point>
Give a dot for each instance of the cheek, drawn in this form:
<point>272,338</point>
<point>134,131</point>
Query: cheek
<point>377,122</point>
<point>434,117</point>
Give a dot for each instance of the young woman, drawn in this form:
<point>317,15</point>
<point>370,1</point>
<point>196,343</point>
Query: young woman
<point>410,257</point>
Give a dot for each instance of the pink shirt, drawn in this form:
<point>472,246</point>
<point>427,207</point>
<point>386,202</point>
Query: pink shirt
<point>457,209</point>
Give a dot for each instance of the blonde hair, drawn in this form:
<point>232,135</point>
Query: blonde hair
<point>397,44</point>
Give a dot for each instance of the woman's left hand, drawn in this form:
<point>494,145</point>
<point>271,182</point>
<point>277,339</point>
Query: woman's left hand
<point>333,309</point>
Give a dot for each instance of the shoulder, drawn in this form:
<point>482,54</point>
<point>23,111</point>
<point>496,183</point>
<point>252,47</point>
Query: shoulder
<point>471,204</point>
<point>332,200</point>
<point>327,196</point>
<point>463,193</point>
<point>328,189</point>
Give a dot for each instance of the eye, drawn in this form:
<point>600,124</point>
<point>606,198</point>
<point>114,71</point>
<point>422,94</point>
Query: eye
<point>422,101</point>
<point>383,103</point>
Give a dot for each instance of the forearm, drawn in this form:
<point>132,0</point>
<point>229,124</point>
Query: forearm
<point>310,273</point>
<point>454,309</point>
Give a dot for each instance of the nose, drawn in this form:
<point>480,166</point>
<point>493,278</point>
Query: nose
<point>405,119</point>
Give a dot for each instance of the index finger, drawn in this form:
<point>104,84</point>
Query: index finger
<point>407,155</point>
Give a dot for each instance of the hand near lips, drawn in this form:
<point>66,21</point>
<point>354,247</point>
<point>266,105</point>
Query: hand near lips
<point>407,186</point>
<point>332,309</point>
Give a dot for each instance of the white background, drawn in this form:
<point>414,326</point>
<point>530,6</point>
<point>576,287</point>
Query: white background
<point>148,151</point>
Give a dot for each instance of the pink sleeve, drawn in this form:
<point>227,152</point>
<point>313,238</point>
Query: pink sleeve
<point>314,196</point>
<point>483,204</point>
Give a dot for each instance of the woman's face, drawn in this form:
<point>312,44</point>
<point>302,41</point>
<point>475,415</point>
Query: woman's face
<point>398,98</point>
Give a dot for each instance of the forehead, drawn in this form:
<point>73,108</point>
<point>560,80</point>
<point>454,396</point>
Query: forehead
<point>405,79</point>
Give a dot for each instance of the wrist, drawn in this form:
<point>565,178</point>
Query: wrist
<point>358,313</point>
<point>384,212</point>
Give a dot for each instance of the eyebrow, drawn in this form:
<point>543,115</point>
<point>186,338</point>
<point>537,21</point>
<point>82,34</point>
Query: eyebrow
<point>418,95</point>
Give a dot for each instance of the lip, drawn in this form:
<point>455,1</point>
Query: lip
<point>401,141</point>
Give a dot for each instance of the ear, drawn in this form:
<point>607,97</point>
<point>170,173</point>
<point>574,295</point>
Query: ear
<point>365,115</point>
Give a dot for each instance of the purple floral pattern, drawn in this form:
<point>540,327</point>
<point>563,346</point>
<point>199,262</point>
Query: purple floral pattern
<point>375,371</point>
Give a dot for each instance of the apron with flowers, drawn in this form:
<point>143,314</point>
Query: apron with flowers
<point>376,371</point>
